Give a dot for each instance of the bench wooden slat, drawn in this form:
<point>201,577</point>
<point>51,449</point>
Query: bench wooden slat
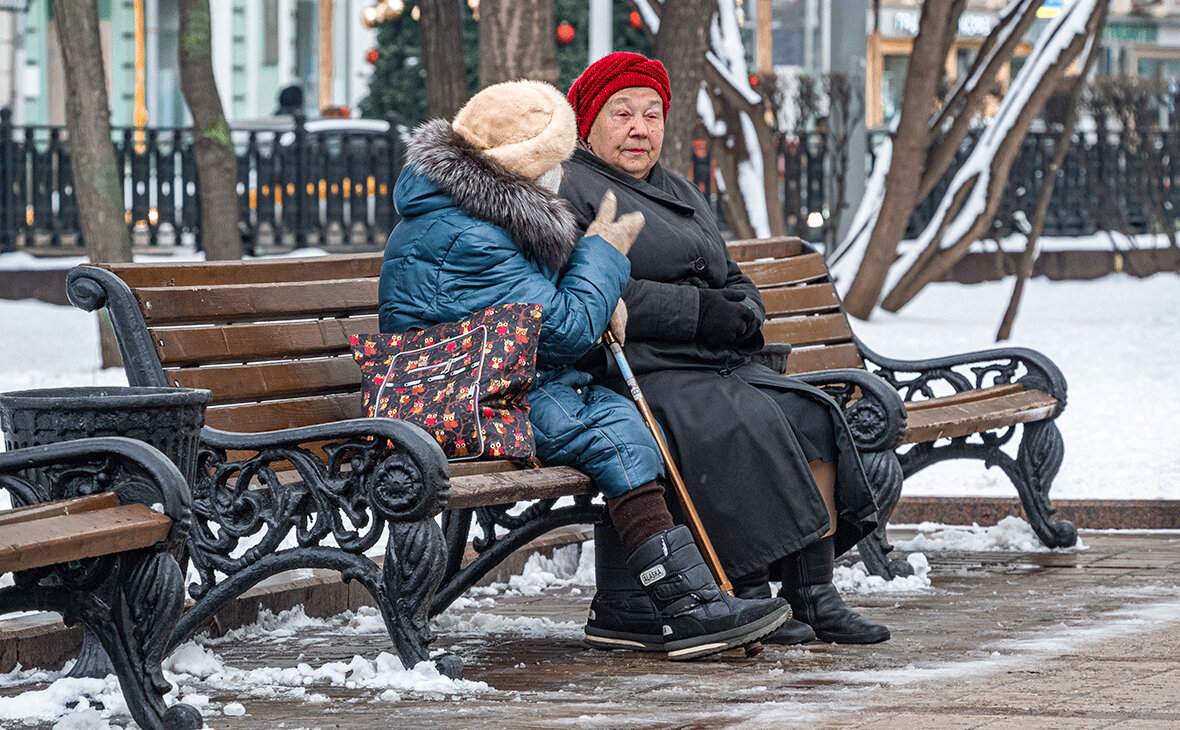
<point>777,247</point>
<point>965,397</point>
<point>254,302</point>
<point>247,342</point>
<point>292,413</point>
<point>479,490</point>
<point>807,299</point>
<point>305,268</point>
<point>267,381</point>
<point>816,330</point>
<point>62,538</point>
<point>32,512</point>
<point>964,418</point>
<point>795,270</point>
<point>806,360</point>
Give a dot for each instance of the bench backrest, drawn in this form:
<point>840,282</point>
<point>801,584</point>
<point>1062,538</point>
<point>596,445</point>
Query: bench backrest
<point>802,306</point>
<point>269,338</point>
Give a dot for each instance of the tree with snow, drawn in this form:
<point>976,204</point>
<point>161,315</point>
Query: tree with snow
<point>927,135</point>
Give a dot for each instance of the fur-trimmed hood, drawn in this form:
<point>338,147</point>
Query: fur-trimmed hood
<point>540,222</point>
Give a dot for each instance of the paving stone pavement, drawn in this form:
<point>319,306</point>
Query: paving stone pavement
<point>1081,639</point>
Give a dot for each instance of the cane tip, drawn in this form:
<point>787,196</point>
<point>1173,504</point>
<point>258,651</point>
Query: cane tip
<point>753,650</point>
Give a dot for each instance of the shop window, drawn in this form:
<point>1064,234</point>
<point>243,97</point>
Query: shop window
<point>893,70</point>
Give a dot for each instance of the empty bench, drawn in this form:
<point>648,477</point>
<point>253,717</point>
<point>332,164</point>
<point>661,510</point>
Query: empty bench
<point>290,472</point>
<point>962,406</point>
<point>76,548</point>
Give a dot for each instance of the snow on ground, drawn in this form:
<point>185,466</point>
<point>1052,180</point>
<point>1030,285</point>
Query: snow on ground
<point>1116,339</point>
<point>1009,534</point>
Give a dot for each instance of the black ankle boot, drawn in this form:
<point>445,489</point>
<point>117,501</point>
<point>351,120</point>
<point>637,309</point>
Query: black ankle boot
<point>622,616</point>
<point>807,584</point>
<point>757,585</point>
<point>698,618</point>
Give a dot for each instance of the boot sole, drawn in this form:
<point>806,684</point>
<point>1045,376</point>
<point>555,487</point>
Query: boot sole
<point>610,640</point>
<point>844,639</point>
<point>703,646</point>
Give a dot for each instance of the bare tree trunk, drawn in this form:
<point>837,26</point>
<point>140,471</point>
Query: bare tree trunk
<point>441,31</point>
<point>680,45</point>
<point>213,149</point>
<point>516,41</point>
<point>911,141</point>
<point>96,177</point>
<point>1024,266</point>
<point>88,118</point>
<point>936,259</point>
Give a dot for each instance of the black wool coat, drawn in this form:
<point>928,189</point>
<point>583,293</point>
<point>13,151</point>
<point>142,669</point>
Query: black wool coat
<point>741,434</point>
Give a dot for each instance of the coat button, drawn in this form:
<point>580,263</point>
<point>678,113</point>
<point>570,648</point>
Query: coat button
<point>698,264</point>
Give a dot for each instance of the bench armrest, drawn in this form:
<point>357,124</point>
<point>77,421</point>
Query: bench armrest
<point>970,370</point>
<point>136,471</point>
<point>365,442</point>
<point>872,407</point>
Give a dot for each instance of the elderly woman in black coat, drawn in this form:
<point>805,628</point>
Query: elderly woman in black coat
<point>769,461</point>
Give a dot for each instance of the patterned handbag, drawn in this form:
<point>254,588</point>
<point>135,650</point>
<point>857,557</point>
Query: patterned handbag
<point>464,382</point>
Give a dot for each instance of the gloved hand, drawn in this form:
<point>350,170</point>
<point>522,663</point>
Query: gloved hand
<point>619,233</point>
<point>618,322</point>
<point>722,321</point>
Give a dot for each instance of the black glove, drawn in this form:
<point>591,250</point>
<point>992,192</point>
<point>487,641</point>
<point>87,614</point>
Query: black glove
<point>722,321</point>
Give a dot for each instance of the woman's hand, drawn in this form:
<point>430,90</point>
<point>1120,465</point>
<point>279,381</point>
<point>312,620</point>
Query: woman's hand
<point>722,320</point>
<point>619,233</point>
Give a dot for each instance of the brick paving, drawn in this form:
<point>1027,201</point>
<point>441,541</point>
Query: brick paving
<point>1085,639</point>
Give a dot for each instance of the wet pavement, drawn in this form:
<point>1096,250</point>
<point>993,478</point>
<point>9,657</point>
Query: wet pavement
<point>1081,639</point>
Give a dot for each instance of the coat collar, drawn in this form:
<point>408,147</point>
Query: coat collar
<point>656,186</point>
<point>540,223</point>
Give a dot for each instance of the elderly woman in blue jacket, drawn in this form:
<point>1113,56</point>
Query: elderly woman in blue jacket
<point>482,225</point>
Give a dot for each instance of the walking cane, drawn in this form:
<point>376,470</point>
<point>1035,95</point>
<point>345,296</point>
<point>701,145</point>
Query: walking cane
<point>690,511</point>
<point>695,526</point>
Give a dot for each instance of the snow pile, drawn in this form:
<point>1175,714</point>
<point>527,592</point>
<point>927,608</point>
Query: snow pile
<point>1009,534</point>
<point>857,579</point>
<point>97,698</point>
<point>386,673</point>
<point>571,566</point>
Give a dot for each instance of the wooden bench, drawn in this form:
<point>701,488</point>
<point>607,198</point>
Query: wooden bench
<point>290,474</point>
<point>75,548</point>
<point>964,406</point>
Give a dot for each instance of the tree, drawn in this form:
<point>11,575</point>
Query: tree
<point>734,116</point>
<point>88,118</point>
<point>441,32</point>
<point>401,84</point>
<point>516,41</point>
<point>96,176</point>
<point>975,191</point>
<point>928,134</point>
<point>213,149</point>
<point>680,44</point>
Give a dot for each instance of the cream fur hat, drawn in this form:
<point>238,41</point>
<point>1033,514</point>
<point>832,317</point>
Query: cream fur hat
<point>526,126</point>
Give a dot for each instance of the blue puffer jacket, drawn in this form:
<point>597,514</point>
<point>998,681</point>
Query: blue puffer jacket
<point>473,235</point>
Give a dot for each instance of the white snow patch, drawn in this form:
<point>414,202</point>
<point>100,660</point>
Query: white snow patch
<point>857,579</point>
<point>1030,648</point>
<point>1009,534</point>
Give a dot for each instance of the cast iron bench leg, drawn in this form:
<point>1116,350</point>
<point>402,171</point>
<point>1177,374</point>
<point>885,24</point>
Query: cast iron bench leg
<point>1038,460</point>
<point>885,478</point>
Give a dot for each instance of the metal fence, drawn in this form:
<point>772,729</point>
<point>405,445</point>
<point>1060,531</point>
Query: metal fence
<point>304,186</point>
<point>297,187</point>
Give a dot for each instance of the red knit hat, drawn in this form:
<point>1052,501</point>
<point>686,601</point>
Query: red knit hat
<point>609,74</point>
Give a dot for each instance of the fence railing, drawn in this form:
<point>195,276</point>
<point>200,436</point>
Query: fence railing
<point>299,184</point>
<point>312,184</point>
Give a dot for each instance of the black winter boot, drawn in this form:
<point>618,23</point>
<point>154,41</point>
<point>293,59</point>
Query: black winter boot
<point>757,585</point>
<point>698,618</point>
<point>807,584</point>
<point>622,615</point>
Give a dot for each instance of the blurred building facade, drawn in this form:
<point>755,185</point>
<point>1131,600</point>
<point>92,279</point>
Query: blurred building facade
<point>259,46</point>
